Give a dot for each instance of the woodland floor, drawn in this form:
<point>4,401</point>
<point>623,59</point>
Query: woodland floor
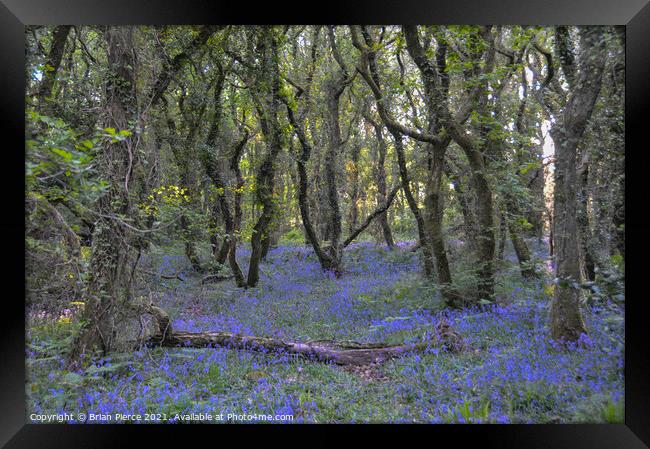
<point>510,373</point>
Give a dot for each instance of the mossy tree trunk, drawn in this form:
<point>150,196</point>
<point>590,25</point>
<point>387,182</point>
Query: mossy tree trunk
<point>109,285</point>
<point>267,91</point>
<point>381,183</point>
<point>435,78</point>
<point>52,64</point>
<point>567,323</point>
<point>214,170</point>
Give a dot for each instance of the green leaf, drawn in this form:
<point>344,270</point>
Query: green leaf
<point>66,155</point>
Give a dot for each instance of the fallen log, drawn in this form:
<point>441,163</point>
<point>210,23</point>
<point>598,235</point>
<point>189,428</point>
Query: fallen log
<point>165,276</point>
<point>340,353</point>
<point>216,278</point>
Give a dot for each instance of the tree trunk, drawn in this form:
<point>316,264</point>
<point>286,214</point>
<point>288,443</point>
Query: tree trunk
<point>619,223</point>
<point>264,194</point>
<point>222,254</point>
<point>269,88</point>
<point>486,235</point>
<point>566,320</point>
<point>521,249</point>
<point>587,255</point>
<point>567,323</point>
<point>213,170</point>
<point>303,200</point>
<point>109,286</point>
<point>333,92</point>
<point>503,235</point>
<point>434,212</point>
<point>380,174</point>
<point>470,227</point>
<point>436,82</point>
<point>239,187</point>
<point>190,250</point>
<point>53,62</point>
<point>353,182</point>
<point>425,244</point>
<point>266,245</point>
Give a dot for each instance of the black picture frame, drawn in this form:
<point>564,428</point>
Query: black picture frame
<point>15,14</point>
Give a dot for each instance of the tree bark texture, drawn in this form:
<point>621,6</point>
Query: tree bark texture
<point>567,323</point>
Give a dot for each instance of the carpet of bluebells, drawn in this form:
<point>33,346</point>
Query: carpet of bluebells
<point>511,372</point>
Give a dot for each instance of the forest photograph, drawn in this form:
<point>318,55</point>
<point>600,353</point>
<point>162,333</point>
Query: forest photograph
<point>324,224</point>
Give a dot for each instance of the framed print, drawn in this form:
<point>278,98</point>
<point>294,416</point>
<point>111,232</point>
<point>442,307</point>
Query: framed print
<point>375,220</point>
